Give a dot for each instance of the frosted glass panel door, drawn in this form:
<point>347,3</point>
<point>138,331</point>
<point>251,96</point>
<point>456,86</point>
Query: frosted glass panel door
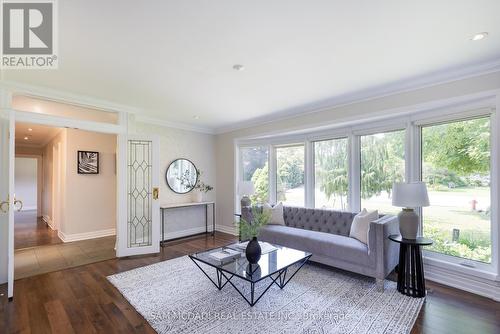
<point>140,193</point>
<point>141,234</point>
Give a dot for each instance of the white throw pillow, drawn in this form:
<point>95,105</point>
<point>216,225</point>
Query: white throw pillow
<point>276,213</point>
<point>360,226</point>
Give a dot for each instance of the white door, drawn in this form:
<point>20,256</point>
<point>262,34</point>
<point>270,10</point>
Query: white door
<point>6,193</point>
<point>138,195</point>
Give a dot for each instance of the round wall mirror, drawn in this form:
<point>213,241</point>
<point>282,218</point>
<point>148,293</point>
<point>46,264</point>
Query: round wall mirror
<point>181,176</point>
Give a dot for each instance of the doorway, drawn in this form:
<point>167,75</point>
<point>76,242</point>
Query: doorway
<point>76,114</point>
<point>64,217</point>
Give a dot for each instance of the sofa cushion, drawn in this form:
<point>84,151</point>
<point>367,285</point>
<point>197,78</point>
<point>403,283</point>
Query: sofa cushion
<point>319,220</point>
<point>275,212</point>
<point>319,243</point>
<point>361,225</point>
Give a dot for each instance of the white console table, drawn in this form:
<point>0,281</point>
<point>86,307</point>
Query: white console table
<point>166,207</point>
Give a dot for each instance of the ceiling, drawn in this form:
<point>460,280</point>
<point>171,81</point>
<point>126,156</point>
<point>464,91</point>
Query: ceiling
<point>174,60</point>
<point>38,137</point>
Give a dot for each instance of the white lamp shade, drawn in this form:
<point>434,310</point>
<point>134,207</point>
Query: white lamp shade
<point>246,188</point>
<point>410,195</point>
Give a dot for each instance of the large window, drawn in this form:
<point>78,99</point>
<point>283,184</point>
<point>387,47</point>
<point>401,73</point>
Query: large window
<point>382,164</point>
<point>290,175</point>
<point>331,174</point>
<point>456,168</point>
<point>356,167</point>
<point>255,168</point>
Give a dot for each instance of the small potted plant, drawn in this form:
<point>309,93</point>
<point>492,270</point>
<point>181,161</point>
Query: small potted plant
<point>250,230</point>
<point>200,188</point>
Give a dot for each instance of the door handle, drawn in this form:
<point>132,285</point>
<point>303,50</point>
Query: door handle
<point>3,205</point>
<point>16,202</point>
<point>156,193</point>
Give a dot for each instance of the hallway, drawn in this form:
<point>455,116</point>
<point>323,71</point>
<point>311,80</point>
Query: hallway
<point>39,250</point>
<point>30,231</point>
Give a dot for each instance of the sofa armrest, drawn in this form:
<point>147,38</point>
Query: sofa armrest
<point>384,251</point>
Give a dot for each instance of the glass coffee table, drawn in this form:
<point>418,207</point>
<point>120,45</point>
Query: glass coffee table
<point>278,267</point>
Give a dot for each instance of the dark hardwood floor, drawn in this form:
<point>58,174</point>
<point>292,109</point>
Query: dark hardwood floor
<point>30,231</point>
<point>80,300</point>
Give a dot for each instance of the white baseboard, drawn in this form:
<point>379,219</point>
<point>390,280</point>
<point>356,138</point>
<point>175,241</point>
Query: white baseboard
<point>48,221</point>
<point>227,229</point>
<point>454,278</point>
<point>86,235</point>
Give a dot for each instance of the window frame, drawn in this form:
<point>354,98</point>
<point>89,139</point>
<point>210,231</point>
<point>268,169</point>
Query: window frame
<point>275,170</point>
<point>392,128</point>
<point>313,174</point>
<point>419,124</point>
<point>410,119</point>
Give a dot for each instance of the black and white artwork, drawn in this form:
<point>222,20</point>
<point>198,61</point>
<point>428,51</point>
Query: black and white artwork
<point>88,162</point>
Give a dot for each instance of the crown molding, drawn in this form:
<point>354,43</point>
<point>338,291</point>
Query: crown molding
<point>175,125</point>
<point>376,92</point>
<point>54,95</point>
<point>94,103</point>
<point>398,87</point>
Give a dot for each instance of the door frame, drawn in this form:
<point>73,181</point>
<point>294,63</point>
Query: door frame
<point>56,187</point>
<point>120,129</point>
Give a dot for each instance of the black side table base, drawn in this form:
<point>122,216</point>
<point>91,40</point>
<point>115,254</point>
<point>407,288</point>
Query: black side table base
<point>411,280</point>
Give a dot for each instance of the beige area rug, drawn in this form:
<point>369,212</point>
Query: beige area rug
<point>175,297</point>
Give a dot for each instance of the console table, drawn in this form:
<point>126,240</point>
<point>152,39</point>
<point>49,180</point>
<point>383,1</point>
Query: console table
<point>166,207</point>
<point>411,280</point>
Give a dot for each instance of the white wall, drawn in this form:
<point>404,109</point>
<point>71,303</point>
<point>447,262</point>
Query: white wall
<point>200,149</point>
<point>26,181</point>
<point>90,199</point>
<point>87,203</point>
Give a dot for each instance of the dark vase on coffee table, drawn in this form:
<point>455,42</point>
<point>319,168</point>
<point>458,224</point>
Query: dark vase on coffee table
<point>253,251</point>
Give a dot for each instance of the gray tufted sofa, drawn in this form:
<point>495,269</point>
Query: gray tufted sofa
<point>325,233</point>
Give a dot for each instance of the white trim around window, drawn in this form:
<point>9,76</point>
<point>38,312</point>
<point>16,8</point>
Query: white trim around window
<point>409,119</point>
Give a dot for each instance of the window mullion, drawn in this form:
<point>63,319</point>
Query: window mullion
<point>309,174</point>
<point>272,174</point>
<point>354,174</point>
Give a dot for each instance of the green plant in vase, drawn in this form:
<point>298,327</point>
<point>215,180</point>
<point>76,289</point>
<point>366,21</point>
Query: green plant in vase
<point>250,230</point>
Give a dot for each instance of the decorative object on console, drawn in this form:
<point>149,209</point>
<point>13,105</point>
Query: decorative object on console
<point>409,196</point>
<point>250,230</point>
<point>88,162</point>
<point>360,226</point>
<point>245,190</point>
<point>201,188</point>
<point>181,176</point>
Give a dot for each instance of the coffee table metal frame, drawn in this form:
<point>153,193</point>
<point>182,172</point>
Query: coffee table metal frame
<point>281,280</point>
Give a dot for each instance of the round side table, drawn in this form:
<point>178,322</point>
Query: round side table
<point>411,281</point>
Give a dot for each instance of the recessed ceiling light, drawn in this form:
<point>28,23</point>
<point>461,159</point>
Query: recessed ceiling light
<point>30,129</point>
<point>196,117</point>
<point>238,67</point>
<point>26,138</point>
<point>479,36</point>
